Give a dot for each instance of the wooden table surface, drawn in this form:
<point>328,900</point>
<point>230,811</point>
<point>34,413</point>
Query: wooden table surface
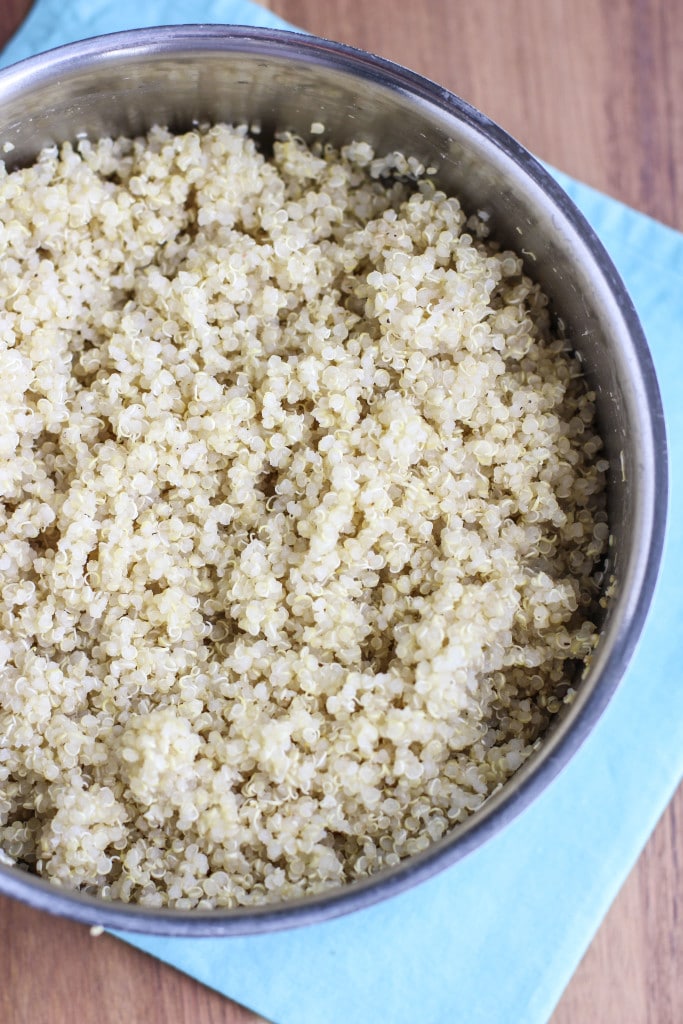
<point>596,88</point>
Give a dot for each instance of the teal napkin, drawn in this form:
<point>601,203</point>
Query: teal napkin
<point>494,939</point>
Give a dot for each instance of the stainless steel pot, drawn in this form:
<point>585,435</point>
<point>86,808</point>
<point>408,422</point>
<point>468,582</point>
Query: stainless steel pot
<point>176,76</point>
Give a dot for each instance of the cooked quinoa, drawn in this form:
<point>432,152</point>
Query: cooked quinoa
<point>301,523</point>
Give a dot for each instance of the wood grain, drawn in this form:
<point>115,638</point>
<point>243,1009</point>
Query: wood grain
<point>108,982</point>
<point>595,87</point>
<point>12,13</point>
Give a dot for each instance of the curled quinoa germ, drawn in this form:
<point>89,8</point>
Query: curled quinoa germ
<point>301,516</point>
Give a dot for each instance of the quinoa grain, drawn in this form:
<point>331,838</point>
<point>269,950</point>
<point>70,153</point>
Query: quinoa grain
<point>301,516</point>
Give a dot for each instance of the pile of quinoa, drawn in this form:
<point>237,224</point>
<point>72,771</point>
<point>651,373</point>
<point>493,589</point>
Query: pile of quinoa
<point>302,516</point>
